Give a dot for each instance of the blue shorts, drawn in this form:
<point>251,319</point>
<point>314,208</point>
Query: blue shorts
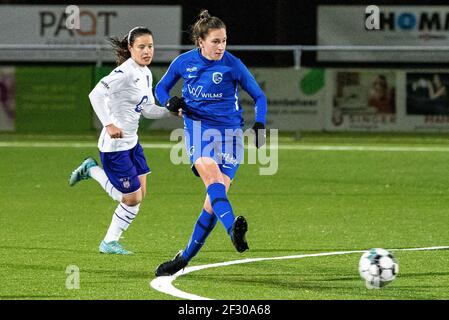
<point>225,146</point>
<point>123,168</point>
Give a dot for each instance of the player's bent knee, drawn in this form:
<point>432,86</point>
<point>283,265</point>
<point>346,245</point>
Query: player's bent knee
<point>131,202</point>
<point>213,178</point>
<point>207,207</point>
<point>133,199</point>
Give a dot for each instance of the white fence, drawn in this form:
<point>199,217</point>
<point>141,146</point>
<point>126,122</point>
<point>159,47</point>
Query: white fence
<point>102,52</point>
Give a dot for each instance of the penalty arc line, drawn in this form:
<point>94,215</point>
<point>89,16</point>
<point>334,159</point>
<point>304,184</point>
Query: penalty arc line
<point>164,284</point>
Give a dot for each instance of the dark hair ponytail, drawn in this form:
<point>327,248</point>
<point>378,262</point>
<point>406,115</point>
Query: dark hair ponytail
<point>120,46</point>
<point>205,22</point>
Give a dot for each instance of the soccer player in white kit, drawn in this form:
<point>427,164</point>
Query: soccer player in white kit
<point>118,101</point>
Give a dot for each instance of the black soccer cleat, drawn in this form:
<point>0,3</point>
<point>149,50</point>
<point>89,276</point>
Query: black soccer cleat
<point>169,268</point>
<point>238,231</point>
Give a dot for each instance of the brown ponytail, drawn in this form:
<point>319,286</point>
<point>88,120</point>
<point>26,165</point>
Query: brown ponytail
<point>205,22</point>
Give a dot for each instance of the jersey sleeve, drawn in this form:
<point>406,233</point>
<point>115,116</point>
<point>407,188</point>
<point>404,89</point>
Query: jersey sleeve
<point>250,85</point>
<point>152,111</point>
<point>162,90</point>
<point>115,82</point>
<point>112,83</point>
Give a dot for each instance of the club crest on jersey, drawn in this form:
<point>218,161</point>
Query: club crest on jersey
<point>126,183</point>
<point>217,77</point>
<point>139,106</point>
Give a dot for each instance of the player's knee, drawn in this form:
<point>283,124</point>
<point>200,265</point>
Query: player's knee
<point>213,178</point>
<point>131,202</point>
<point>133,199</point>
<point>209,171</point>
<point>208,207</point>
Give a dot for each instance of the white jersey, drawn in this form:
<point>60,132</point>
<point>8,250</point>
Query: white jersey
<point>120,98</point>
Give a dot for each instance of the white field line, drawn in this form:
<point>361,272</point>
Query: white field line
<point>164,284</point>
<point>73,145</point>
<point>378,148</point>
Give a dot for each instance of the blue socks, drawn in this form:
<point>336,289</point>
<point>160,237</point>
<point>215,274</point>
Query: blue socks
<point>204,225</point>
<point>220,204</point>
<point>206,221</point>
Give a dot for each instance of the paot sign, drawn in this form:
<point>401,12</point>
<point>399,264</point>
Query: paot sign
<point>88,25</point>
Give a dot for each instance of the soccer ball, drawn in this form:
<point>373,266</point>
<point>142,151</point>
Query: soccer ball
<point>378,267</point>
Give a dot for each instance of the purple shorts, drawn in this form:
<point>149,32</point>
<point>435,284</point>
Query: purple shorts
<point>123,168</point>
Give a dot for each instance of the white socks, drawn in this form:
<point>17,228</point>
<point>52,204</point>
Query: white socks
<point>121,219</point>
<point>123,215</point>
<point>100,176</point>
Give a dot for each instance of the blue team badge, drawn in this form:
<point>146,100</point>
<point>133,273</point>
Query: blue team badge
<point>217,77</point>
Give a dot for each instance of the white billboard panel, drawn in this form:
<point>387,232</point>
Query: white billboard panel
<point>397,26</point>
<point>52,25</point>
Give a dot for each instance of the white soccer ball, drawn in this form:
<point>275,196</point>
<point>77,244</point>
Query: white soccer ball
<point>378,267</point>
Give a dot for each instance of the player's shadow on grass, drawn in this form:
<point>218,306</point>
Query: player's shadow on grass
<point>127,274</point>
<point>34,267</point>
<point>329,284</point>
<point>30,296</point>
<point>344,285</point>
<point>422,274</point>
<point>275,281</point>
<point>40,249</point>
<point>112,273</point>
<point>279,251</point>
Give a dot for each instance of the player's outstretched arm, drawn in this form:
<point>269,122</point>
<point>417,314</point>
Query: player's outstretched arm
<point>153,111</point>
<point>174,104</point>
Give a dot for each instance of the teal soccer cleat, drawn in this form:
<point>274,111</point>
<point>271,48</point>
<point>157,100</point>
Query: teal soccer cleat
<point>82,172</point>
<point>113,247</point>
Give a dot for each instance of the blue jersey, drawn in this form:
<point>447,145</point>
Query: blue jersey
<point>210,89</point>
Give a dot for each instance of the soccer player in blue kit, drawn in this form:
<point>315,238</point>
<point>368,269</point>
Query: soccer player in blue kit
<point>211,111</point>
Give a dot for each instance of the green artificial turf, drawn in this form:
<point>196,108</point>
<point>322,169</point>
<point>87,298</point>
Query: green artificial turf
<point>317,202</point>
